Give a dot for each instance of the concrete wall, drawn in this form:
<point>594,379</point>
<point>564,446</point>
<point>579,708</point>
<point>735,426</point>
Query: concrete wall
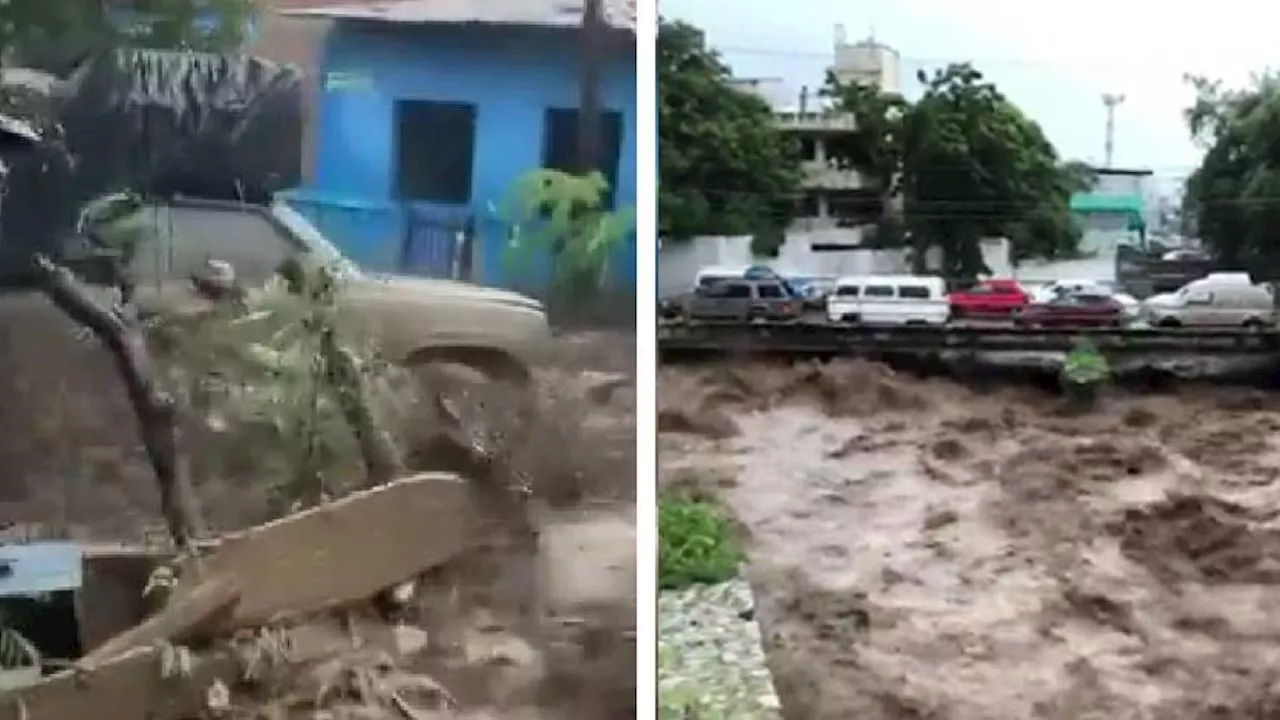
<point>1102,232</point>
<point>512,75</point>
<point>1134,185</point>
<point>679,263</point>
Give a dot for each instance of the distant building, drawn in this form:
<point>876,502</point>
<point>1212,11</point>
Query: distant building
<point>429,112</point>
<point>831,196</point>
<point>1114,211</point>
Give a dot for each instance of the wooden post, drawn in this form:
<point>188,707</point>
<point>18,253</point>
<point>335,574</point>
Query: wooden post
<point>593,30</point>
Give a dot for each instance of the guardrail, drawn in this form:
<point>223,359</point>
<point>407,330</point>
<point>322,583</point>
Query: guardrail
<point>821,338</point>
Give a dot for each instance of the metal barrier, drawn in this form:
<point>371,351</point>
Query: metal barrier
<point>820,338</point>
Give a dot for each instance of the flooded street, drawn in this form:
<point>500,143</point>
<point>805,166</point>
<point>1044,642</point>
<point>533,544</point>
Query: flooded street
<point>915,546</point>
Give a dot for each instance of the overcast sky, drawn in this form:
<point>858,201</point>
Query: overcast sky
<point>1054,61</point>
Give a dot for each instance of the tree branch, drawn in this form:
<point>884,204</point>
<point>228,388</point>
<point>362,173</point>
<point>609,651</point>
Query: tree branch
<point>120,331</point>
<point>382,460</point>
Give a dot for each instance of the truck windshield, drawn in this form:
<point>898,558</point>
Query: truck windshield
<point>314,240</point>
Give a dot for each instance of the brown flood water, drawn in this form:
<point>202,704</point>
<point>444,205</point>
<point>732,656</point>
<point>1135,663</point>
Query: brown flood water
<point>921,550</point>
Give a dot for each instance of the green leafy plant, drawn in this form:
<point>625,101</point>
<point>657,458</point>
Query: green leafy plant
<point>696,544</point>
<point>565,216</point>
<point>258,355</point>
<point>1084,371</point>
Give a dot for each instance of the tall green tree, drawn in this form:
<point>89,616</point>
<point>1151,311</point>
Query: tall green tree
<point>45,34</point>
<point>967,164</point>
<point>723,166</point>
<point>1233,197</point>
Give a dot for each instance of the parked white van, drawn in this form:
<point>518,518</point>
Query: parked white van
<point>1212,301</point>
<point>711,275</point>
<point>889,300</point>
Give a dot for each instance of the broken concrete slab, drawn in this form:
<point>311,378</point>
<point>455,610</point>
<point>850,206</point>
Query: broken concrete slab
<point>333,555</point>
<point>184,617</point>
<point>343,551</point>
<point>127,687</point>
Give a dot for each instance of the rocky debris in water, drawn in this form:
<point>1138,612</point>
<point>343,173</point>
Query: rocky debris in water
<point>709,423</point>
<point>711,662</point>
<point>1202,539</point>
<point>700,482</point>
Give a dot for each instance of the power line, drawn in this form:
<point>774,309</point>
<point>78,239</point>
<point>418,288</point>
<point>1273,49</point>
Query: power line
<point>910,60</point>
<point>969,204</point>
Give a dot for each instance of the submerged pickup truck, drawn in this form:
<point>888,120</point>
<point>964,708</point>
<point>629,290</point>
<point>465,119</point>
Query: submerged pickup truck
<point>413,321</point>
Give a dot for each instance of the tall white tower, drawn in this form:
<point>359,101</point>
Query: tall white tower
<point>866,61</point>
<point>1110,101</point>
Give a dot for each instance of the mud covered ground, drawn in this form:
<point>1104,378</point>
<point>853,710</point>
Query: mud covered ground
<point>515,631</point>
<point>923,550</point>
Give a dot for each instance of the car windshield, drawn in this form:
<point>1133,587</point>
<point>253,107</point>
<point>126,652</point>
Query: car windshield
<point>314,240</point>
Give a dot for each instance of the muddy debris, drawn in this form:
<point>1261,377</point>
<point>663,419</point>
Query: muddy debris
<point>468,624</point>
<point>1202,539</point>
<point>914,544</point>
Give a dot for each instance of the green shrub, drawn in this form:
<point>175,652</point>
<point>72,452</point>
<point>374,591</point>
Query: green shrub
<point>696,544</point>
<point>1084,372</point>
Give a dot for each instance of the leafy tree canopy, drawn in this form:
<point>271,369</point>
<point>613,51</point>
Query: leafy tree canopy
<point>724,168</point>
<point>968,165</point>
<point>1233,198</point>
<point>50,35</point>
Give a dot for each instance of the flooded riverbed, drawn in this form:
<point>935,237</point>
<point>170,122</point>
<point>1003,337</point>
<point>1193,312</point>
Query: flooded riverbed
<point>919,549</point>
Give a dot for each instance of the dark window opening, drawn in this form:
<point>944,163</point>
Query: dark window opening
<point>878,291</point>
<point>847,291</point>
<point>853,208</point>
<point>913,292</point>
<point>48,621</point>
<point>560,145</point>
<point>770,291</point>
<point>734,290</point>
<point>435,150</point>
<point>808,149</point>
<point>807,206</point>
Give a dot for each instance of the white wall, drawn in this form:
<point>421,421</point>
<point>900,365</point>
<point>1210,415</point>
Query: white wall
<point>679,263</point>
<point>1120,184</point>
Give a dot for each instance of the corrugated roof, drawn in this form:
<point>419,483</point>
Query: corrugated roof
<point>39,568</point>
<point>619,14</point>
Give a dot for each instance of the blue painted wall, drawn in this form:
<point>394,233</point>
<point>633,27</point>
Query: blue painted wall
<point>511,74</point>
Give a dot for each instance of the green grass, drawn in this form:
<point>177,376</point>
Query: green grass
<point>696,544</point>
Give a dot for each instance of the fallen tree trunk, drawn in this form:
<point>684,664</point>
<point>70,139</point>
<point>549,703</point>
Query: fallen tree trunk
<point>382,458</point>
<point>121,332</point>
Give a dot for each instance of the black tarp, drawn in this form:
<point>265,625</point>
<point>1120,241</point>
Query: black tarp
<point>158,123</point>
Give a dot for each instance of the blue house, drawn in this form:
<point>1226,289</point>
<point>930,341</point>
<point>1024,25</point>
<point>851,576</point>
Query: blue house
<point>431,110</point>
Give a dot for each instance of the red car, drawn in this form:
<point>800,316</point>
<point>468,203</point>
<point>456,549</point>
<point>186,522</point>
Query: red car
<point>989,299</point>
<point>1078,310</point>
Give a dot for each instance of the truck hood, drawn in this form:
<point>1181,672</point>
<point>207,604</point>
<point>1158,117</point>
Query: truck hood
<point>1161,300</point>
<point>427,289</point>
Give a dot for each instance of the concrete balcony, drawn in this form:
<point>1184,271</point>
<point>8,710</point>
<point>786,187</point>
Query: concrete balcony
<point>818,175</point>
<point>819,121</point>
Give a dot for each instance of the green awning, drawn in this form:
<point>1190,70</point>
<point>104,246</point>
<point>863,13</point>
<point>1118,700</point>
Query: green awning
<point>1095,203</point>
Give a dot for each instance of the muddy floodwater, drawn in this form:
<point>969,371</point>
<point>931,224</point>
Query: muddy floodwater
<point>919,549</point>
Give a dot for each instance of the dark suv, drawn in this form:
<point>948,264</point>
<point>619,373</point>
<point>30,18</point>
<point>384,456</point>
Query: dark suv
<point>743,300</point>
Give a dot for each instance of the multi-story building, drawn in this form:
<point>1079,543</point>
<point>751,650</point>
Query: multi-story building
<point>1114,211</point>
<point>832,197</point>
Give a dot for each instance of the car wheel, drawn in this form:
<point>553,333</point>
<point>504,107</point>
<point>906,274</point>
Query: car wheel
<point>1254,324</point>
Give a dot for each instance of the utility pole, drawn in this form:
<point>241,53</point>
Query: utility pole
<point>1111,101</point>
<point>593,30</point>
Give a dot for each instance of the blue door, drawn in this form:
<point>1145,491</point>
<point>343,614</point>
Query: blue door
<point>436,246</point>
